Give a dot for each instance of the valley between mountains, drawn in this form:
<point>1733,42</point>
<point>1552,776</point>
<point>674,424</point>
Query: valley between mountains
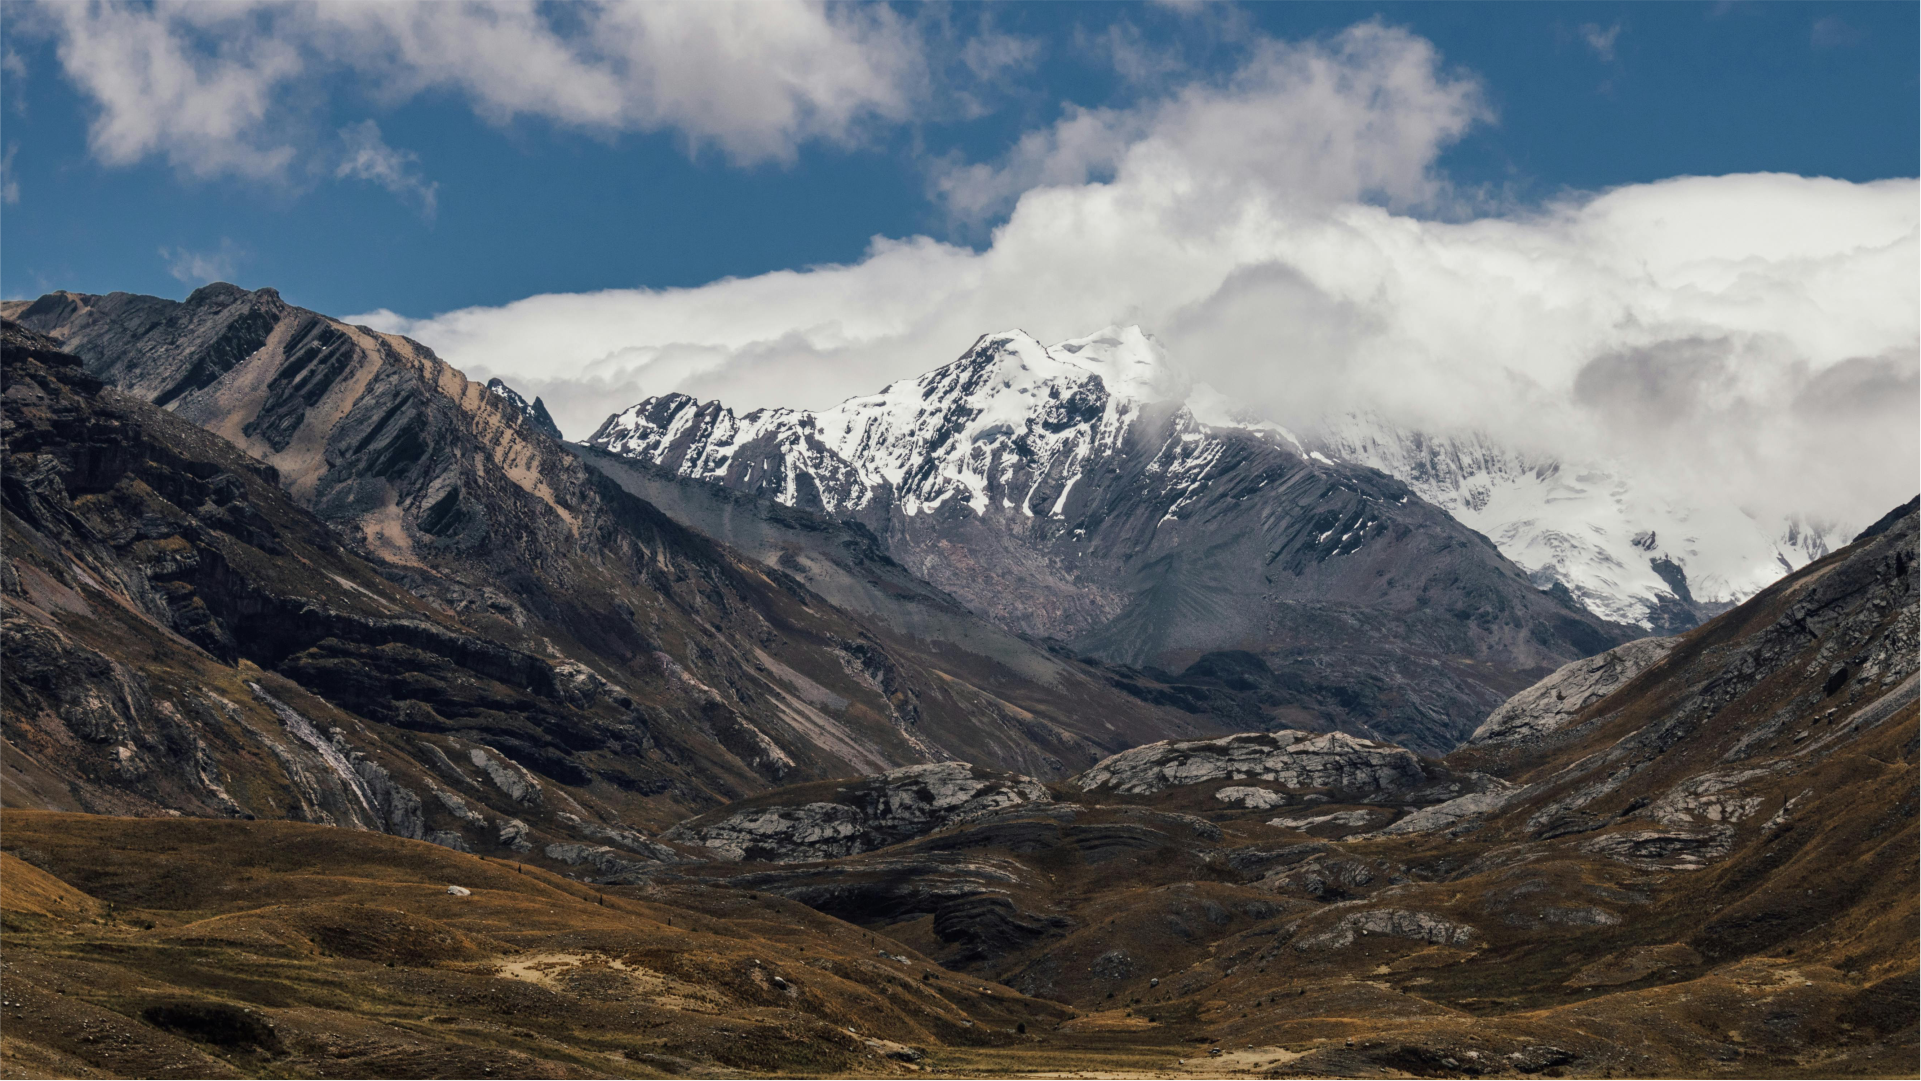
<point>1034,716</point>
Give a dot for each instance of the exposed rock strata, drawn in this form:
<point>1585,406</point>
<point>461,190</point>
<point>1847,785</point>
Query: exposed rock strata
<point>1394,922</point>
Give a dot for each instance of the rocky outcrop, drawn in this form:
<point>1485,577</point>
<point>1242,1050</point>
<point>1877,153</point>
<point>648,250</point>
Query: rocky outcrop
<point>1454,812</point>
<point>861,815</point>
<point>1354,819</point>
<point>1294,760</point>
<point>1550,704</point>
<point>535,411</point>
<point>1393,922</point>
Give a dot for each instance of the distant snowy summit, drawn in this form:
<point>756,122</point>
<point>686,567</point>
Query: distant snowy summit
<point>1619,547</point>
<point>1011,426</point>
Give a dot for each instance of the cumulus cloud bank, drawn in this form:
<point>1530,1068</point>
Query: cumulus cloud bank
<point>227,89</point>
<point>1752,336</point>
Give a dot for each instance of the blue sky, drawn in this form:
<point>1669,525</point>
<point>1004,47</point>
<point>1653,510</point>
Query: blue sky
<point>1681,238</point>
<point>1576,96</point>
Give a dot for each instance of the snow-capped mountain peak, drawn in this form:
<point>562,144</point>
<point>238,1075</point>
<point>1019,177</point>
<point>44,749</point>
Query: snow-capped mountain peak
<point>1129,361</point>
<point>1008,408</point>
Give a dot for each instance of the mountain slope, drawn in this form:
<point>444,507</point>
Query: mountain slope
<point>475,509</point>
<point>1065,492</point>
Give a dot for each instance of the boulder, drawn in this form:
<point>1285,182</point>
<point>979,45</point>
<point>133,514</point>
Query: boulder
<point>1553,702</point>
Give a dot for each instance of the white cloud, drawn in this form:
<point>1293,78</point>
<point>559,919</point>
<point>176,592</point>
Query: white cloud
<point>992,54</point>
<point>227,89</point>
<point>1361,116</point>
<point>1833,33</point>
<point>1737,334</point>
<point>9,184</point>
<point>1601,40</point>
<point>1133,57</point>
<point>200,267</point>
<point>13,75</point>
<point>368,157</point>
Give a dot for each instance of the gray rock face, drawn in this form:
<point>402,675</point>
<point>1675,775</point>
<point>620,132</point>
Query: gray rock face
<point>398,804</point>
<point>1353,819</point>
<point>1680,849</point>
<point>1294,760</point>
<point>517,783</point>
<point>870,813</point>
<point>1454,812</point>
<point>1553,702</point>
<point>1394,922</point>
<point>516,835</point>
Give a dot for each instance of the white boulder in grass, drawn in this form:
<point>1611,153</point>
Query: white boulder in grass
<point>1256,799</point>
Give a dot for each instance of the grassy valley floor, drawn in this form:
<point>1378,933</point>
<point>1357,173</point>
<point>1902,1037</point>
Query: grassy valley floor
<point>201,948</point>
